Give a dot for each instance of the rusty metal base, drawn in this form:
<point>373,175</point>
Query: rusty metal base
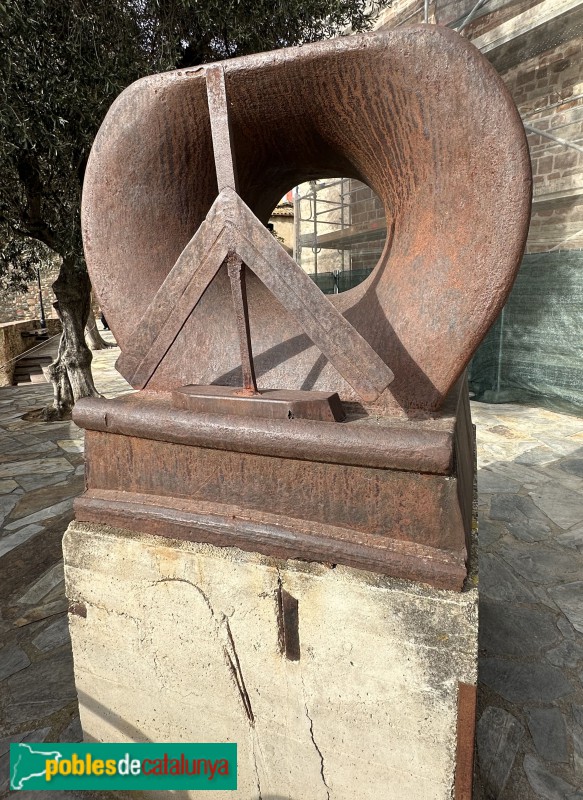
<point>267,403</point>
<point>466,736</point>
<point>377,493</point>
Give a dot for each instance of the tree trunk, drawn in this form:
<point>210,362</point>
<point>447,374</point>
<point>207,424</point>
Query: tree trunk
<point>70,373</point>
<point>96,341</point>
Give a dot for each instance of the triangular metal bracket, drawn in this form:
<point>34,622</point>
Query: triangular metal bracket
<point>232,228</point>
<point>231,233</point>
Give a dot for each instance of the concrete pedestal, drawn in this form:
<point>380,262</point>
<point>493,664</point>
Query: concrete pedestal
<point>335,683</point>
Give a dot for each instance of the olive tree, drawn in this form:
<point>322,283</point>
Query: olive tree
<point>61,66</point>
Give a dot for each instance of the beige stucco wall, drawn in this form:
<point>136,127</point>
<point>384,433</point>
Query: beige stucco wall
<point>284,228</point>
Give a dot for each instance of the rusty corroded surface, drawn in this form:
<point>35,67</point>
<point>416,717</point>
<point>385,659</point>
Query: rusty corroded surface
<point>466,734</point>
<point>383,443</point>
<point>236,272</point>
<point>274,536</point>
<point>418,114</point>
<point>231,232</point>
<point>181,181</point>
<point>374,493</point>
<point>284,404</point>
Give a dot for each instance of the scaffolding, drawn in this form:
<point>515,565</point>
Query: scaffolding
<point>340,227</point>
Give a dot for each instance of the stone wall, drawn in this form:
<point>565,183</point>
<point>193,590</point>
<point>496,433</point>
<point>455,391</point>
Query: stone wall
<point>25,306</point>
<point>547,91</point>
<point>366,211</point>
<point>282,220</point>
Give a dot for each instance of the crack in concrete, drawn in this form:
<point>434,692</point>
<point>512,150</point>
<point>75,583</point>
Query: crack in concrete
<point>259,794</point>
<point>112,612</point>
<point>188,583</point>
<point>223,631</point>
<point>233,661</point>
<point>317,749</point>
<point>310,720</point>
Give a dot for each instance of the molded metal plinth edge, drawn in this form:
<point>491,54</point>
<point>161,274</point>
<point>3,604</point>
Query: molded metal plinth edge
<point>425,447</point>
<point>172,517</point>
<point>371,492</point>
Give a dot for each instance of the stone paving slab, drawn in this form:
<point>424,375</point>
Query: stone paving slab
<point>40,474</point>
<point>530,481</point>
<point>530,734</point>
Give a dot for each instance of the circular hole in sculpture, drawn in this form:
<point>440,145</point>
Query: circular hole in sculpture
<point>334,228</point>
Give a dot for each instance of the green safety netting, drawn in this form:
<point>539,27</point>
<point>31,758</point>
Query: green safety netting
<point>533,352</point>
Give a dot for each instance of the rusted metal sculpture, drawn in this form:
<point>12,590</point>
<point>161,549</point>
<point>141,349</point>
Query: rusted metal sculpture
<point>236,437</point>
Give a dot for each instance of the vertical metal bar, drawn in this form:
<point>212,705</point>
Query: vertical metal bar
<point>227,178</point>
<point>426,11</point>
<point>342,225</point>
<point>224,155</point>
<point>465,736</point>
<point>297,226</point>
<point>236,271</point>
